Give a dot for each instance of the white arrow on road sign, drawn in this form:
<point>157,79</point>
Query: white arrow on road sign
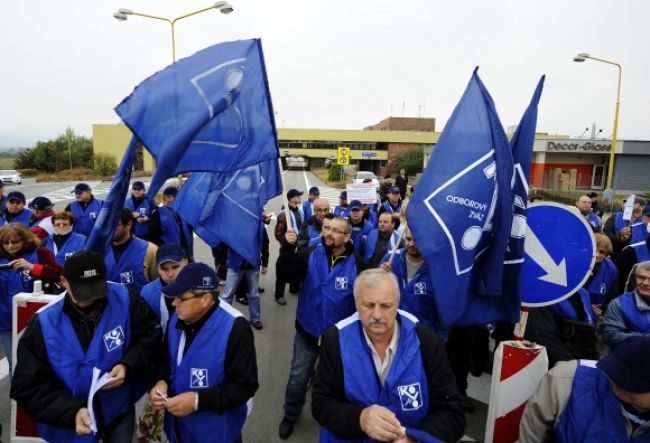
<point>555,273</point>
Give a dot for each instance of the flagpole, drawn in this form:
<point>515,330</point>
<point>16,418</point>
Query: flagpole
<point>285,200</point>
<point>520,327</point>
<point>396,247</point>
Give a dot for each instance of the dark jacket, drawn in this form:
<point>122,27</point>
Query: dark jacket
<point>35,385</point>
<point>331,408</point>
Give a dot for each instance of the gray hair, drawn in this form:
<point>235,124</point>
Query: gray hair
<point>630,284</point>
<point>371,278</point>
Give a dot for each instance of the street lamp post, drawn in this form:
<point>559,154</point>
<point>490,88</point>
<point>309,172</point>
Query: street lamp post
<point>581,58</point>
<point>223,6</point>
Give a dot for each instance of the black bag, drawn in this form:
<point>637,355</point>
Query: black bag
<point>579,337</point>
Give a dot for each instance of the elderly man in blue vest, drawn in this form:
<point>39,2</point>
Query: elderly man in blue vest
<point>583,203</point>
<point>625,232</point>
<point>204,394</point>
<point>327,271</point>
<point>586,401</point>
<point>379,241</point>
<point>384,376</point>
<point>142,209</point>
<point>85,209</point>
<point>629,314</point>
<point>96,324</point>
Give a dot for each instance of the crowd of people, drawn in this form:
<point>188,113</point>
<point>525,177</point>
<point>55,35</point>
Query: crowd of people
<point>381,363</point>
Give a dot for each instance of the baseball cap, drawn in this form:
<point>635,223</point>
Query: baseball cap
<point>314,190</point>
<point>86,274</point>
<point>192,276</point>
<point>628,365</point>
<point>80,187</point>
<point>344,195</point>
<point>355,204</point>
<point>293,193</point>
<point>393,190</point>
<point>172,252</point>
<point>41,204</point>
<point>171,190</point>
<point>137,185</point>
<point>16,195</point>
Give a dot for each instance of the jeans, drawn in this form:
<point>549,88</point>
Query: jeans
<point>303,363</point>
<point>120,430</point>
<point>5,342</point>
<point>253,280</point>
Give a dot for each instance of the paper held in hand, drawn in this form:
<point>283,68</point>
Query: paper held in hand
<point>97,383</point>
<point>366,193</point>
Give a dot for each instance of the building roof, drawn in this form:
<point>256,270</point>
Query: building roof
<point>354,135</point>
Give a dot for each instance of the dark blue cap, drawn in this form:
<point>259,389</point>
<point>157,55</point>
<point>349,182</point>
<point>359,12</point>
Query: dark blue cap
<point>170,190</point>
<point>344,195</point>
<point>355,204</point>
<point>16,195</point>
<point>137,185</point>
<point>80,187</point>
<point>628,365</point>
<point>170,252</point>
<point>393,190</point>
<point>314,190</point>
<point>41,204</point>
<point>293,193</point>
<point>193,276</point>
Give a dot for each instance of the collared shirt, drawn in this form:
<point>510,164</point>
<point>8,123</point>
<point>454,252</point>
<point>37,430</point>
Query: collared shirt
<point>383,367</point>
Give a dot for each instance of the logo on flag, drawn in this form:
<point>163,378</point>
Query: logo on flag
<point>341,283</point>
<point>126,277</point>
<point>199,378</point>
<point>114,339</point>
<point>410,397</point>
<point>420,288</point>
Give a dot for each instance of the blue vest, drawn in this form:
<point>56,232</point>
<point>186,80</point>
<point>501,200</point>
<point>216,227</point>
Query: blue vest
<point>639,232</point>
<point>154,297</point>
<point>358,235</point>
<point>325,296</point>
<point>635,320</point>
<point>341,211</point>
<point>564,309</point>
<point>307,210</point>
<point>144,208</point>
<point>310,229</point>
<point>593,413</point>
<point>315,241</point>
<point>388,208</point>
<point>84,221</point>
<point>406,390</point>
<point>74,368</point>
<point>416,296</point>
<point>74,243</point>
<point>641,251</point>
<point>130,269</point>
<point>23,217</point>
<point>594,221</point>
<point>171,231</point>
<point>602,282</point>
<point>13,282</point>
<point>370,243</point>
<point>296,224</point>
<point>372,215</point>
<point>198,370</point>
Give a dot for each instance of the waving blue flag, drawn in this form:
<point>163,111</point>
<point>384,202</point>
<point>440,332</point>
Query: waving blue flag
<point>459,200</point>
<point>208,112</point>
<point>101,236</point>
<point>227,207</point>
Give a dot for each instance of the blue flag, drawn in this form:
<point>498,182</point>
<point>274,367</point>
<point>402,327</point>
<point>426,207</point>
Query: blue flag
<point>455,212</point>
<point>101,236</point>
<point>227,207</point>
<point>208,112</point>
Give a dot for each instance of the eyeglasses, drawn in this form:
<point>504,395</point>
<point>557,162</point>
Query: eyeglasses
<point>181,299</point>
<point>12,242</point>
<point>334,230</point>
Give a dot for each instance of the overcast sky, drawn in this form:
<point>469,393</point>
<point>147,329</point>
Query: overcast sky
<point>340,64</point>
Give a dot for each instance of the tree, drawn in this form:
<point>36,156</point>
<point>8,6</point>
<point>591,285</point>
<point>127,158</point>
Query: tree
<point>51,156</point>
<point>105,163</point>
<point>412,161</point>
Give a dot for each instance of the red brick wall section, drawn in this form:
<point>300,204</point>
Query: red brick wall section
<point>405,124</point>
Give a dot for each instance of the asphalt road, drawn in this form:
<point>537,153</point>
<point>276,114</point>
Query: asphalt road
<point>273,343</point>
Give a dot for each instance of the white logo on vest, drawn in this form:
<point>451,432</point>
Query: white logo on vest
<point>114,339</point>
<point>603,287</point>
<point>420,288</point>
<point>126,277</point>
<point>341,283</point>
<point>410,397</point>
<point>93,215</point>
<point>199,378</point>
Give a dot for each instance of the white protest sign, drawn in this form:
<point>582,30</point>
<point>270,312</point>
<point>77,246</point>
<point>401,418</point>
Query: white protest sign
<point>364,192</point>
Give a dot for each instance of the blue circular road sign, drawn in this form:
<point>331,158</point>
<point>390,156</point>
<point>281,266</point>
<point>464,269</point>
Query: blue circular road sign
<point>560,253</point>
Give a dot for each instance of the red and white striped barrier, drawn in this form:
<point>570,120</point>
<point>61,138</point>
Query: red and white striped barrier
<point>517,370</point>
<point>23,428</point>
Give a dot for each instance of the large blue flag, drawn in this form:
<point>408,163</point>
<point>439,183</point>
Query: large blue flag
<point>208,112</point>
<point>460,200</point>
<point>102,234</point>
<point>227,207</point>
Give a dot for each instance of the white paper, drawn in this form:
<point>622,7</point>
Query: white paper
<point>96,384</point>
<point>364,192</point>
<point>627,210</point>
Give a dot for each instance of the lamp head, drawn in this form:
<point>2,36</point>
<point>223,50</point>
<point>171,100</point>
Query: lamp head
<point>119,16</point>
<point>581,57</point>
<point>223,7</point>
<point>125,11</point>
